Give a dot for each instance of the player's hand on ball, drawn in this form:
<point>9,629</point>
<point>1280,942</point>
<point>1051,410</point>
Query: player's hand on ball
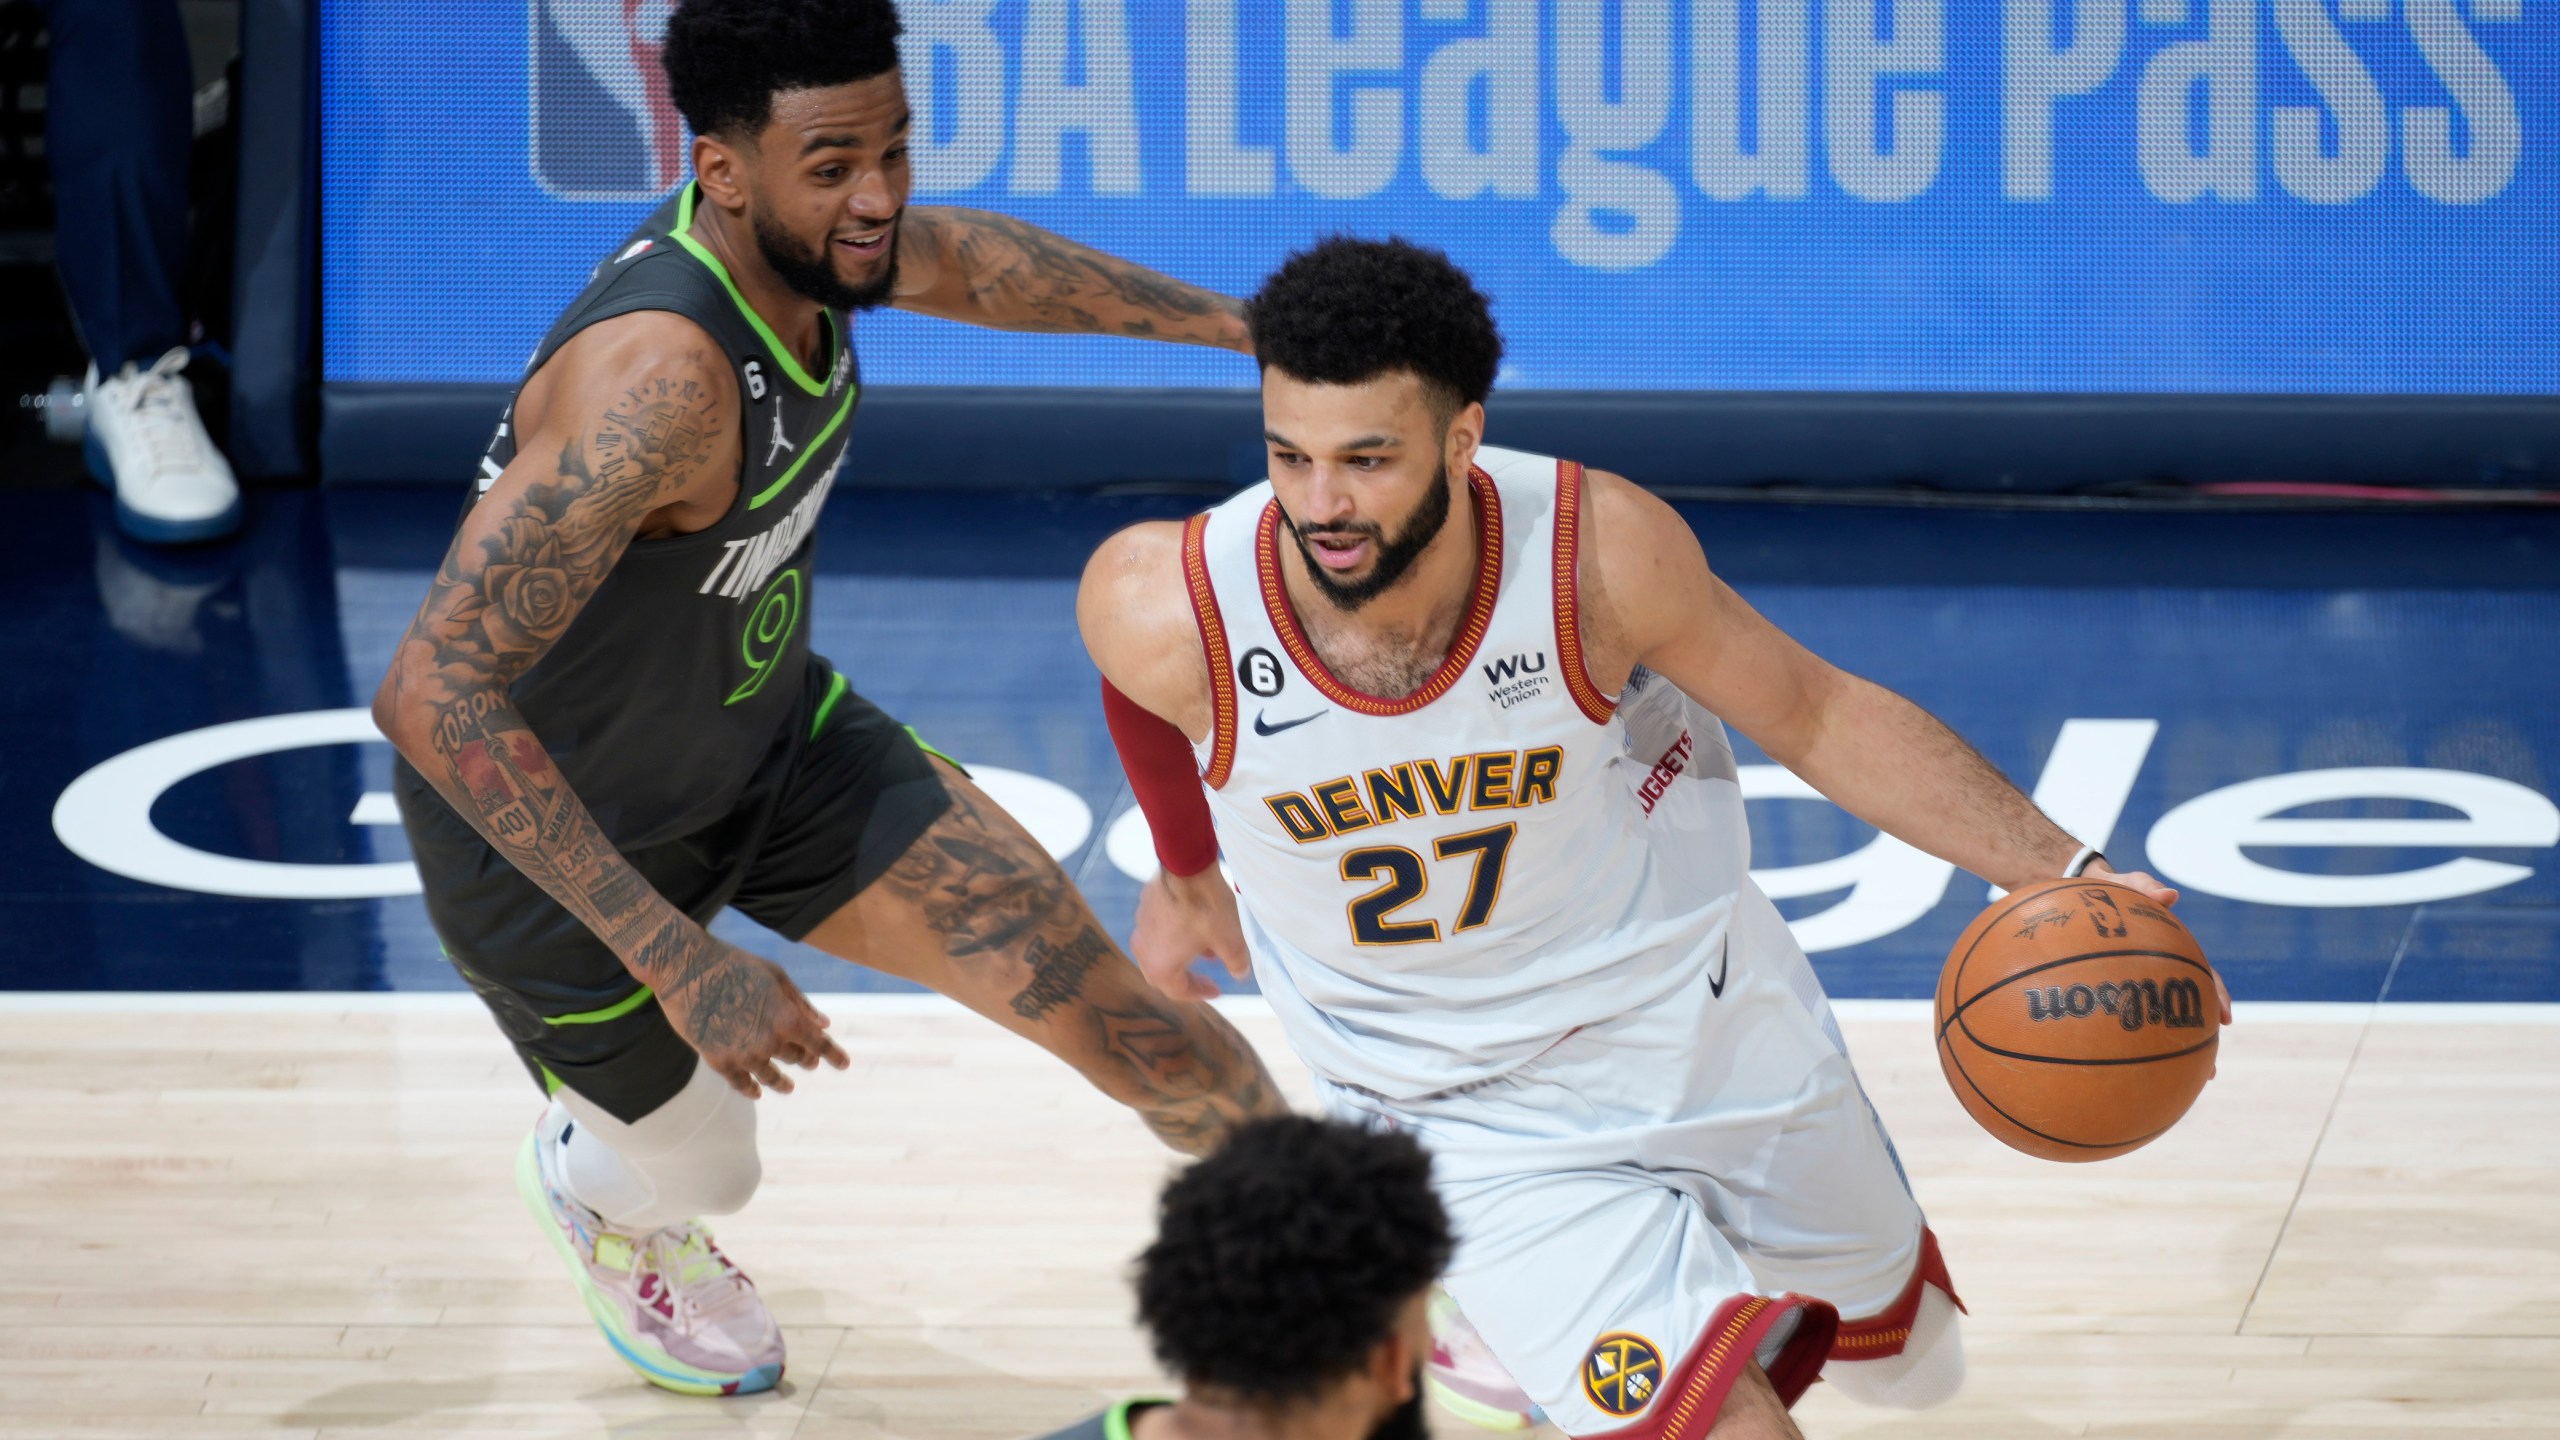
<point>2099,869</point>
<point>1184,918</point>
<point>2166,896</point>
<point>747,1020</point>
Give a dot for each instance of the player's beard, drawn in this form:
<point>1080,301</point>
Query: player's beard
<point>811,273</point>
<point>1395,556</point>
<point>1406,1421</point>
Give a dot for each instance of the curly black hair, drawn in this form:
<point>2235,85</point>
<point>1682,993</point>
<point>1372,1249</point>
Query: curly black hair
<point>1281,1260</point>
<point>727,59</point>
<point>1346,310</point>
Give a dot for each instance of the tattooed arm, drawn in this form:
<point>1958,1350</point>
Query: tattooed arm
<point>994,270</point>
<point>630,429</point>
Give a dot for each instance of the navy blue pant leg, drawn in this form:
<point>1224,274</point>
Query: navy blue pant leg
<point>119,122</point>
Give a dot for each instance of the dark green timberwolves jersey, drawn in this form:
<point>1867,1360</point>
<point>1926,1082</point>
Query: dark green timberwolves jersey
<point>683,675</point>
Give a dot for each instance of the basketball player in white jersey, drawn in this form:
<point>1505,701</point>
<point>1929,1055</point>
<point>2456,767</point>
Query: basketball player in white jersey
<point>1452,715</point>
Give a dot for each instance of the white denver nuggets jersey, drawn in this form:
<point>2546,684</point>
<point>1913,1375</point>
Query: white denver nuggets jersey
<point>1439,887</point>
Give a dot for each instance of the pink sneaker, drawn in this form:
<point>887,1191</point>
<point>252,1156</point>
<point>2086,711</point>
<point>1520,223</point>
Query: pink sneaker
<point>1465,1378</point>
<point>669,1303</point>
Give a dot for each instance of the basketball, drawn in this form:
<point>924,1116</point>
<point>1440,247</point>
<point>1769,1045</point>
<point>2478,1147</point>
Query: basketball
<point>2077,1019</point>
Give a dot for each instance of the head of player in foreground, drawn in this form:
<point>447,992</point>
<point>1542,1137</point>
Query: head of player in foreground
<point>1376,360</point>
<point>800,123</point>
<point>1287,1287</point>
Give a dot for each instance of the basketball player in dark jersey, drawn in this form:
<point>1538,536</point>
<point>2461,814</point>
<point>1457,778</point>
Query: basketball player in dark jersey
<point>611,725</point>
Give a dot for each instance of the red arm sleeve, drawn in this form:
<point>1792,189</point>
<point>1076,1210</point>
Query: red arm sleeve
<point>1167,781</point>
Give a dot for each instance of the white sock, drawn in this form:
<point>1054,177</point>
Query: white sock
<point>592,1174</point>
<point>694,1155</point>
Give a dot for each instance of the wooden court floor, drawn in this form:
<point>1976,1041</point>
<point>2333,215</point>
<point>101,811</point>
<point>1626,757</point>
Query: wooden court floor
<point>293,1217</point>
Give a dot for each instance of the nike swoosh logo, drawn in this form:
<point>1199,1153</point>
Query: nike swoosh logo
<point>1261,728</point>
<point>1724,967</point>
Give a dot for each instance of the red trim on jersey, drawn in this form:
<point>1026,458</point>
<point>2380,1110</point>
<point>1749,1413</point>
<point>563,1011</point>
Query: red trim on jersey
<point>1884,1333</point>
<point>1213,645</point>
<point>1694,1395</point>
<point>1462,651</point>
<point>1577,681</point>
<point>1166,779</point>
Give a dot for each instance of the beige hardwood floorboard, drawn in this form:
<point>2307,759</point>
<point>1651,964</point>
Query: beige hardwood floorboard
<point>2435,1205</point>
<point>301,1225</point>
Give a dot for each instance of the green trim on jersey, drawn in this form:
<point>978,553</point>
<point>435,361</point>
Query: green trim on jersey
<point>838,688</point>
<point>927,747</point>
<point>813,447</point>
<point>614,1011</point>
<point>1115,1421</point>
<point>835,692</point>
<point>782,355</point>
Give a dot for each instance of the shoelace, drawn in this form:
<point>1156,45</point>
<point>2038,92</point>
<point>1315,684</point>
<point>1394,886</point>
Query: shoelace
<point>161,411</point>
<point>705,1279</point>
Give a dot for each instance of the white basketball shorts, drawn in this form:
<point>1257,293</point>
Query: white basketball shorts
<point>1660,1198</point>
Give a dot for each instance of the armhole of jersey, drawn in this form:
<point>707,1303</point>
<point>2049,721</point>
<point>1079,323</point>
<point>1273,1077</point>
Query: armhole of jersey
<point>664,300</point>
<point>1596,707</point>
<point>1213,647</point>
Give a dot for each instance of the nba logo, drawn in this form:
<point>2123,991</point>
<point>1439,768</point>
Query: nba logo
<point>600,125</point>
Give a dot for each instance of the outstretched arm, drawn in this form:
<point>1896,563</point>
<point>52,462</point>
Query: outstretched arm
<point>1650,600</point>
<point>994,270</point>
<point>637,419</point>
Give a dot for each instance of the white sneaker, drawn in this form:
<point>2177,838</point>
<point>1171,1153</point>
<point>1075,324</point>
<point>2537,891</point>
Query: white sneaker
<point>669,1303</point>
<point>146,444</point>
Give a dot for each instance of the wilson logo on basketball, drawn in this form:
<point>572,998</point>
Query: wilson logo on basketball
<point>2176,1004</point>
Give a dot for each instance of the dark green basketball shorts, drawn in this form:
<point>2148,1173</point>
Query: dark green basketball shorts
<point>821,820</point>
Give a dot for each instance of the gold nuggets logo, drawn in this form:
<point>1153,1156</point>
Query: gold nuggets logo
<point>1621,1373</point>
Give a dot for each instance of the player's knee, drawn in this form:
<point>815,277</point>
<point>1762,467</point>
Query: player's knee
<point>714,1169</point>
<point>1927,1372</point>
<point>725,1184</point>
<point>1753,1411</point>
